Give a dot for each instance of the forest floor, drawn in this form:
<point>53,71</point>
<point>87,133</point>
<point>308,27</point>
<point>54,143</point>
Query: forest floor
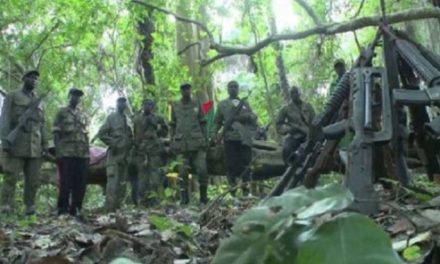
<point>184,235</point>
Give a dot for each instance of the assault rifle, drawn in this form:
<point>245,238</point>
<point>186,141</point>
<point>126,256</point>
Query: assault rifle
<point>23,120</point>
<point>228,123</point>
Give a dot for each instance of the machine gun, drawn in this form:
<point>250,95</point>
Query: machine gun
<point>23,120</point>
<point>312,149</point>
<point>377,117</point>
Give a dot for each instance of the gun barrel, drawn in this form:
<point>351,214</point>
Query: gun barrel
<point>424,68</point>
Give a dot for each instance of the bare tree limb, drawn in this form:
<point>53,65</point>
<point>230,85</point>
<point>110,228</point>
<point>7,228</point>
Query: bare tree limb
<point>309,11</point>
<point>198,43</point>
<point>202,26</point>
<point>328,29</point>
<point>41,42</point>
<point>358,12</point>
<point>323,29</point>
<point>8,73</point>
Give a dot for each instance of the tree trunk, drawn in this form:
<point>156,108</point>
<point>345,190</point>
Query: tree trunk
<point>146,29</point>
<point>279,61</point>
<point>192,54</point>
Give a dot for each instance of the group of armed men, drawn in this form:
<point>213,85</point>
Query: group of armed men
<point>139,145</point>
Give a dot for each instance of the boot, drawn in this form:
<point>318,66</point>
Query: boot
<point>203,194</point>
<point>184,197</point>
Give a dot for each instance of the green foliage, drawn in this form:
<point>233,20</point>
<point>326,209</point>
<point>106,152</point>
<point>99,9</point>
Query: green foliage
<point>296,228</point>
<point>163,224</point>
<point>412,253</point>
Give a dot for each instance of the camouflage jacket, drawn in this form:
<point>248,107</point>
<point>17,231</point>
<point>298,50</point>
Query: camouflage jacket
<point>32,140</point>
<point>243,130</point>
<point>117,134</point>
<point>148,131</point>
<point>295,119</point>
<point>188,127</point>
<point>72,127</point>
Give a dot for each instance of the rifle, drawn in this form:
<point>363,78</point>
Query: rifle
<point>23,120</point>
<point>228,123</point>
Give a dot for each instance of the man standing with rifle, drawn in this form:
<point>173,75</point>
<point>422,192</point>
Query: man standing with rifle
<point>236,117</point>
<point>117,134</point>
<point>70,130</point>
<point>188,133</point>
<point>149,130</point>
<point>23,141</point>
<point>293,122</point>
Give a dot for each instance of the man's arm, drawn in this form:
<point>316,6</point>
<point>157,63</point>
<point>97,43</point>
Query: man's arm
<point>202,121</point>
<point>246,115</point>
<point>5,121</point>
<point>219,119</point>
<point>312,113</point>
<point>163,128</point>
<point>56,128</point>
<point>281,127</point>
<point>44,137</point>
<point>104,132</point>
<point>173,122</point>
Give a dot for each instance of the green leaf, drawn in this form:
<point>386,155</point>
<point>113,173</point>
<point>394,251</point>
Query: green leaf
<point>412,253</point>
<point>161,223</point>
<point>348,239</point>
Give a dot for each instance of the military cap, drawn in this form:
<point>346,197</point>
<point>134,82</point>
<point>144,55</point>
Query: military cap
<point>31,73</point>
<point>233,83</point>
<point>185,86</point>
<point>338,62</point>
<point>75,91</point>
<point>148,101</point>
<point>121,99</point>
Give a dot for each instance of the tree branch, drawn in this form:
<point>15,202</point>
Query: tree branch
<point>361,5</point>
<point>9,74</point>
<point>39,44</point>
<point>198,43</point>
<point>329,29</point>
<point>309,11</point>
<point>202,26</point>
<point>323,29</point>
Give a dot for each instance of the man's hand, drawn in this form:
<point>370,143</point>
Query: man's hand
<point>242,117</point>
<point>6,148</point>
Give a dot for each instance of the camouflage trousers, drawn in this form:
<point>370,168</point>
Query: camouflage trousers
<point>149,178</point>
<point>116,185</point>
<point>195,161</point>
<point>13,166</point>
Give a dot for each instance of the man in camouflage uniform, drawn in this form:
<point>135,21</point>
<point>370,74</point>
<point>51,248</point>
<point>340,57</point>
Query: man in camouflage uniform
<point>117,134</point>
<point>149,128</point>
<point>24,155</point>
<point>189,142</point>
<point>293,122</point>
<point>238,137</point>
<point>71,140</point>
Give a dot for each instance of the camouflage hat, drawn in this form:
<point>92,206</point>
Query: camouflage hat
<point>339,62</point>
<point>31,73</point>
<point>75,91</point>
